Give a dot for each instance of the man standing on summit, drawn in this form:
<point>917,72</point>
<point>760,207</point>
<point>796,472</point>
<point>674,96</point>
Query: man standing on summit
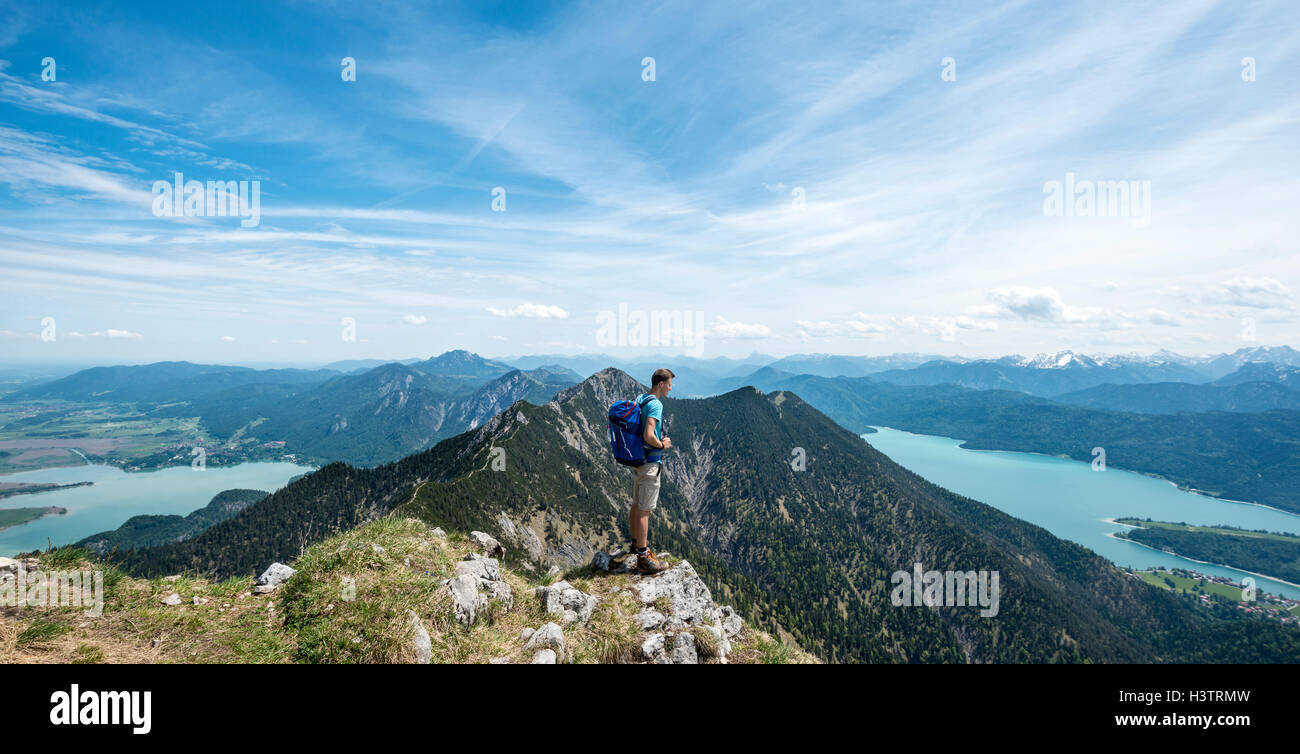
<point>645,490</point>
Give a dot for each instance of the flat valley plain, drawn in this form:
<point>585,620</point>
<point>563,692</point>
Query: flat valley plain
<point>45,434</point>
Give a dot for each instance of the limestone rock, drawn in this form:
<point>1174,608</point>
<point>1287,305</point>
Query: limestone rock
<point>485,575</point>
<point>721,640</point>
<point>544,657</point>
<point>172,599</point>
<point>731,622</point>
<point>468,602</point>
<point>480,567</point>
<point>420,643</point>
<point>653,646</point>
<point>649,619</point>
<point>275,575</point>
<point>566,601</point>
<point>688,597</point>
<point>613,562</point>
<point>549,636</point>
<point>684,649</point>
<point>489,544</point>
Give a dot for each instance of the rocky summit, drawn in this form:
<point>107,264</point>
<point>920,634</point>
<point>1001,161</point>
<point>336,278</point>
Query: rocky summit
<point>399,591</point>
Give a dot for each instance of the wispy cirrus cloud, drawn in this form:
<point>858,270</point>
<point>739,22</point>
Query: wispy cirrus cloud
<point>848,195</point>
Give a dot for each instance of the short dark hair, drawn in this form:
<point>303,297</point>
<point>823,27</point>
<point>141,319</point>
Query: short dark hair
<point>661,375</point>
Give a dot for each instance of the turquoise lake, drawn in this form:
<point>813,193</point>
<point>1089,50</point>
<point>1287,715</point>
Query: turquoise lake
<point>117,495</point>
<point>1073,502</point>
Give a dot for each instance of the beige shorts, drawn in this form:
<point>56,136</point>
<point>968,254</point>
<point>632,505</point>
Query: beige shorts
<point>645,490</point>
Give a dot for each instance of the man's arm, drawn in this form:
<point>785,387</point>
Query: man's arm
<point>649,436</point>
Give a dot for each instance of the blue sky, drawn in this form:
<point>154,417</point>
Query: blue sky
<point>794,179</point>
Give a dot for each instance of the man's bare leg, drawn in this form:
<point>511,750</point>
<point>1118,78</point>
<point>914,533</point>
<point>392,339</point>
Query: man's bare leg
<point>638,523</point>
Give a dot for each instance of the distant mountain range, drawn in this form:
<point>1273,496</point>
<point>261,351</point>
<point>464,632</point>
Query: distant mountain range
<point>163,382</point>
<point>364,417</point>
<point>1263,371</point>
<point>375,416</point>
<point>368,416</point>
<point>805,551</point>
<point>1178,397</point>
<point>1047,374</point>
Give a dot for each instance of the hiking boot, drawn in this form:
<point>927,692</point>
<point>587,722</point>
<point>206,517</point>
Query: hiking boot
<point>648,563</point>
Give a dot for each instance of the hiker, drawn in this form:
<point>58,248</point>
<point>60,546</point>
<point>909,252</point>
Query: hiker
<point>645,490</point>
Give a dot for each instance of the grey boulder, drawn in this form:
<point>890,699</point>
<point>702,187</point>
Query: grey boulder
<point>549,636</point>
<point>489,544</point>
<point>275,575</point>
<point>688,597</point>
<point>421,645</point>
<point>572,605</point>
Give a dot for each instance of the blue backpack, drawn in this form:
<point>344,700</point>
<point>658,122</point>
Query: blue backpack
<point>625,432</point>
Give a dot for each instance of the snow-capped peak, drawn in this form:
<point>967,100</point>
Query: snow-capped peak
<point>1058,360</point>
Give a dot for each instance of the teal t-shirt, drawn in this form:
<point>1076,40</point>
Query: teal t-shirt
<point>653,409</point>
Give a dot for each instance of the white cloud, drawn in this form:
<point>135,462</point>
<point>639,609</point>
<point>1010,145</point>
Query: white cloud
<point>1255,293</point>
<point>531,311</point>
<point>1162,317</point>
<point>1034,304</point>
<point>111,333</point>
<point>415,319</point>
<point>227,339</point>
<point>858,326</point>
<point>721,328</point>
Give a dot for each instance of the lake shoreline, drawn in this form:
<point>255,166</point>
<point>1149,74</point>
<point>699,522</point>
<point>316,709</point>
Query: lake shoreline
<point>118,495</point>
<point>23,488</point>
<point>961,445</point>
<point>53,510</point>
<point>1074,503</point>
<point>1112,535</point>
